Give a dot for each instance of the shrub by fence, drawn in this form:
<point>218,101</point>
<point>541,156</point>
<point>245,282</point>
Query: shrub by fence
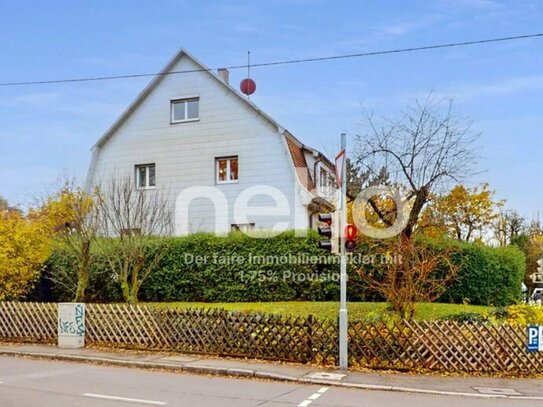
<point>440,346</point>
<point>489,275</point>
<point>237,268</point>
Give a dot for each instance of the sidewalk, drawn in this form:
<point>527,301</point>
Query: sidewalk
<point>430,384</point>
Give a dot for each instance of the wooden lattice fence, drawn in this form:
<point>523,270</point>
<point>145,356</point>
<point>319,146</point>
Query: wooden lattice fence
<point>440,346</point>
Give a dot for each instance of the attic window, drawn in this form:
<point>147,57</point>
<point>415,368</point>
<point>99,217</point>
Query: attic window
<point>184,109</point>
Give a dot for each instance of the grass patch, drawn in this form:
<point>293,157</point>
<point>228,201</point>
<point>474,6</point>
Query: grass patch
<point>329,310</point>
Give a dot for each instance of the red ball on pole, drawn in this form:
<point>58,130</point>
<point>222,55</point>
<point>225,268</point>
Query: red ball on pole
<point>247,86</point>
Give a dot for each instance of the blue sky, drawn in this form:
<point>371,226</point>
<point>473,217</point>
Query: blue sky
<point>46,131</point>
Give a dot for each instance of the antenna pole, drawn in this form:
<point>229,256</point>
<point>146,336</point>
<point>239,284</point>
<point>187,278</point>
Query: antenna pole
<point>248,69</point>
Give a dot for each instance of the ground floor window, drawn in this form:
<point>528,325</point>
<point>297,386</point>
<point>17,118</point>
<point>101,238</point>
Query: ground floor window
<point>242,227</point>
<point>145,176</point>
<point>227,169</point>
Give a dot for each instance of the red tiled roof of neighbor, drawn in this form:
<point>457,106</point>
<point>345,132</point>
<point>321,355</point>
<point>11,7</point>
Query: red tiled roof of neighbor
<point>300,164</point>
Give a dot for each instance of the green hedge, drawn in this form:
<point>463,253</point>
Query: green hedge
<point>489,275</point>
<point>237,268</point>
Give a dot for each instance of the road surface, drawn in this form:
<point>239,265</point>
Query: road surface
<point>38,383</point>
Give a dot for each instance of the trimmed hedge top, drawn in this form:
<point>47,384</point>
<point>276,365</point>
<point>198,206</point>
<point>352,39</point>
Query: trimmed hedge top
<point>238,268</point>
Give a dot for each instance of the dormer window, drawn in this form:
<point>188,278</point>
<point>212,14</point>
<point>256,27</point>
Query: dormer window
<point>185,109</point>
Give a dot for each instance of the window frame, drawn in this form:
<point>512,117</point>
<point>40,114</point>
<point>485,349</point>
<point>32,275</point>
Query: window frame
<point>228,159</point>
<point>184,99</point>
<point>147,177</point>
<point>326,183</point>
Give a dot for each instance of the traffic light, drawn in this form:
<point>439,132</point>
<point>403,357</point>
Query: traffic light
<point>351,233</point>
<point>327,231</point>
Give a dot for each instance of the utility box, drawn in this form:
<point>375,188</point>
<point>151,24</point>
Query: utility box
<point>71,325</point>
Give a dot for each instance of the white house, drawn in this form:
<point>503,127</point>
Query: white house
<point>192,134</point>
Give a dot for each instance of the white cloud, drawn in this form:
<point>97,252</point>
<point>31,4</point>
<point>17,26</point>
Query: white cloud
<point>479,4</point>
<point>530,83</point>
<point>405,27</point>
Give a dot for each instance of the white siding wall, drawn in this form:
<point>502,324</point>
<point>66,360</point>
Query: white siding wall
<point>184,153</point>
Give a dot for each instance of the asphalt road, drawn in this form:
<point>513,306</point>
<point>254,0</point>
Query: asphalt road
<point>41,383</point>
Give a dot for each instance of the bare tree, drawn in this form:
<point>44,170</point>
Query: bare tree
<point>74,220</point>
<point>508,225</point>
<point>130,217</point>
<point>77,232</point>
<point>415,273</point>
<point>426,148</point>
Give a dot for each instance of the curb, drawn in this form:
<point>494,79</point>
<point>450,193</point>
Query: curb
<point>247,373</point>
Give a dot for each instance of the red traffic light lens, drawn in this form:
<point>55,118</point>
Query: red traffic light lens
<point>351,232</point>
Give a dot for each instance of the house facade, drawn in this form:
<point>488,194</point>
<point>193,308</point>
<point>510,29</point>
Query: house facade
<point>223,162</point>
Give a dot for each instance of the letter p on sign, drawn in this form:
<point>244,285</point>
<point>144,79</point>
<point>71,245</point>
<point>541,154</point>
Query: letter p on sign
<point>535,338</point>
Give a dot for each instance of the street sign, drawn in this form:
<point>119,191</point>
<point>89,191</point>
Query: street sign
<point>535,338</point>
<point>340,163</point>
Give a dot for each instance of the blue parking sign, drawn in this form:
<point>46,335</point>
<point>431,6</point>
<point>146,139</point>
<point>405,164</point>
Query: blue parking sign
<point>535,338</point>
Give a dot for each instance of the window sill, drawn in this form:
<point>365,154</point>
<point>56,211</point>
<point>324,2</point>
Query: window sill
<point>227,182</point>
<point>184,121</point>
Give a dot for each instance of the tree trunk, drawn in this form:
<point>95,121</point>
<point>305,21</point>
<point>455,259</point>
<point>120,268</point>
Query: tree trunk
<point>83,275</point>
<point>421,198</point>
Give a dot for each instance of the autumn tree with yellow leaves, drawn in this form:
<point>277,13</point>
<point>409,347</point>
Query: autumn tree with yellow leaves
<point>66,218</point>
<point>464,213</point>
<point>25,244</point>
<point>73,216</point>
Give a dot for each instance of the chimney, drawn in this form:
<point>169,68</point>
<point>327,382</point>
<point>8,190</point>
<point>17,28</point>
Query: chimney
<point>223,74</point>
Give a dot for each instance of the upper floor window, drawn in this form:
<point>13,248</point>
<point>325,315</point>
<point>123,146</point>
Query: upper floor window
<point>186,109</point>
<point>227,169</point>
<point>326,181</point>
<point>323,178</point>
<point>146,176</point>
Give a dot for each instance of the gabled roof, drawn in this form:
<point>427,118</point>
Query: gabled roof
<point>295,147</point>
<point>167,70</point>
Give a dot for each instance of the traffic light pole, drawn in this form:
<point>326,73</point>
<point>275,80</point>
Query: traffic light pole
<point>343,350</point>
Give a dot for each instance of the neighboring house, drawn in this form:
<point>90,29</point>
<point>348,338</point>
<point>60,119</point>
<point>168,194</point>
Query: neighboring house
<point>195,130</point>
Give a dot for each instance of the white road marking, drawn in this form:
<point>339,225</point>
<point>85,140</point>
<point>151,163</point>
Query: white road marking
<point>128,400</point>
<point>313,397</point>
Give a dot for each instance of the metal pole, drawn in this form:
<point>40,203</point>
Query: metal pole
<point>343,351</point>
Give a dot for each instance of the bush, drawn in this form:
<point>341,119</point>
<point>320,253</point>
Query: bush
<point>467,317</point>
<point>525,314</point>
<point>238,268</point>
<point>489,276</point>
<point>60,271</point>
<point>203,267</point>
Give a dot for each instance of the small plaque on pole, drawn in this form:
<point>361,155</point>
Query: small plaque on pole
<point>71,325</point>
